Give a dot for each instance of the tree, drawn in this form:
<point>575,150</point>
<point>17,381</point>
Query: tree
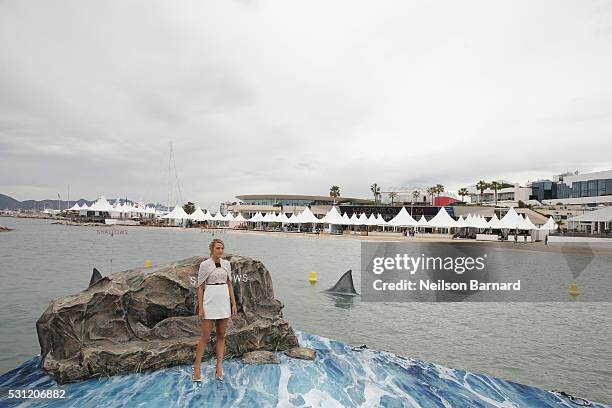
<point>334,192</point>
<point>560,223</point>
<point>392,196</point>
<point>463,192</point>
<point>482,186</point>
<point>189,208</point>
<point>439,189</point>
<point>376,191</point>
<point>431,191</point>
<point>415,195</point>
<point>495,186</point>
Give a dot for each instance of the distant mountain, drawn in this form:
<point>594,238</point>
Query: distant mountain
<point>9,203</point>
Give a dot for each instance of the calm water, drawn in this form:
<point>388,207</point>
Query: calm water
<point>551,345</point>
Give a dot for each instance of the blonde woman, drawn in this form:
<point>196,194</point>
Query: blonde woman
<point>215,295</point>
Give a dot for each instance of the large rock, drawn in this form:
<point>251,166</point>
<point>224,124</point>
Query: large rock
<point>146,318</point>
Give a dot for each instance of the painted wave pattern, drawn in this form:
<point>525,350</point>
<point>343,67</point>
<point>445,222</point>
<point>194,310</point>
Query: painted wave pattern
<point>339,377</point>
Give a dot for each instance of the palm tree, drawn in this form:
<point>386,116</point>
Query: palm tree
<point>482,186</point>
<point>439,189</point>
<point>392,196</point>
<point>559,223</point>
<point>376,191</point>
<point>432,191</point>
<point>463,192</point>
<point>334,192</point>
<point>495,186</point>
<point>415,195</point>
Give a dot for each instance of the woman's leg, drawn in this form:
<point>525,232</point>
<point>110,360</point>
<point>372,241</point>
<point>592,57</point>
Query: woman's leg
<point>206,328</point>
<point>221,326</point>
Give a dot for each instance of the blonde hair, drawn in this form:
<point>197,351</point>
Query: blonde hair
<point>211,246</point>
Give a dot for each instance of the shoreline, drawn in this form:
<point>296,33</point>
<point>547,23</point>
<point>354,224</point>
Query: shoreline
<point>378,236</point>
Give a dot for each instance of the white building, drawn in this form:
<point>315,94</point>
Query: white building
<point>506,197</point>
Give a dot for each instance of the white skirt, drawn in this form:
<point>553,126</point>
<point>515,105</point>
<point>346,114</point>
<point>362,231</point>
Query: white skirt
<point>216,302</point>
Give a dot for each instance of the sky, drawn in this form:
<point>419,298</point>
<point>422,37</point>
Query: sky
<point>287,97</point>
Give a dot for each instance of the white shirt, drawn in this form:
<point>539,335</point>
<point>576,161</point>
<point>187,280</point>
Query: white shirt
<point>210,273</point>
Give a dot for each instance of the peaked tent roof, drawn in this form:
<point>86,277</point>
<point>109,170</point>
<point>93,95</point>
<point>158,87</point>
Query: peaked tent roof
<point>442,220</point>
<point>177,213</point>
<point>422,222</point>
<point>307,216</point>
<point>494,222</point>
<point>101,205</point>
<point>549,225</point>
<point>403,219</point>
<point>198,215</point>
<point>333,217</point>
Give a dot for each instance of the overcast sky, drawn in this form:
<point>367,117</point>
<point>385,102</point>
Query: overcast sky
<point>293,97</point>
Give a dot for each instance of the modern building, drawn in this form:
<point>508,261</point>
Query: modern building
<point>575,188</point>
<point>505,197</point>
<point>288,203</point>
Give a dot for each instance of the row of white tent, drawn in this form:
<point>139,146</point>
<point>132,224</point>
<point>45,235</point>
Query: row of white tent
<point>102,205</point>
<point>512,220</point>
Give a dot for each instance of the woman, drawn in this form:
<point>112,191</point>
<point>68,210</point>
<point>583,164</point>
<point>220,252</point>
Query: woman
<point>215,292</point>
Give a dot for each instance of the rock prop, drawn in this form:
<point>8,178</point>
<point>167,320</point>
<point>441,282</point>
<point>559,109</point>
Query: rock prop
<point>146,319</point>
<point>260,357</point>
<point>303,353</point>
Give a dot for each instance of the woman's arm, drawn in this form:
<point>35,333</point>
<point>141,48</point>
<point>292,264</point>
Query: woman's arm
<point>230,288</point>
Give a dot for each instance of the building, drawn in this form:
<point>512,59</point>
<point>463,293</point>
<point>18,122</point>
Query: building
<point>589,189</point>
<point>505,197</point>
<point>289,203</point>
<point>593,222</point>
<point>405,195</point>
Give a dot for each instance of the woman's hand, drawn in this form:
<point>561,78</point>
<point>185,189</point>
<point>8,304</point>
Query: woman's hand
<point>201,314</point>
<point>234,310</point>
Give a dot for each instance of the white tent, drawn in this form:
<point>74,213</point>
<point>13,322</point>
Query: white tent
<point>229,216</point>
<point>293,219</point>
<point>442,220</point>
<point>510,220</point>
<point>256,218</point>
<point>524,225</point>
<point>460,222</point>
<point>75,207</point>
<point>198,215</point>
<point>282,218</point>
<point>177,213</point>
<point>353,219</point>
<point>101,205</point>
<point>480,222</point>
<point>380,220</point>
<point>346,220</point>
<point>529,223</point>
<point>362,219</point>
<point>218,217</point>
<point>495,223</point>
<point>372,219</point>
<point>333,217</point>
<point>306,216</point>
<point>422,222</point>
<point>549,225</point>
<point>402,219</point>
<point>270,217</point>
<point>239,218</point>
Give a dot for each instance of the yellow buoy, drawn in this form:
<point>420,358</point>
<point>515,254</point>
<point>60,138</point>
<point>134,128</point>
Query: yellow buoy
<point>574,289</point>
<point>147,263</point>
<point>313,277</point>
